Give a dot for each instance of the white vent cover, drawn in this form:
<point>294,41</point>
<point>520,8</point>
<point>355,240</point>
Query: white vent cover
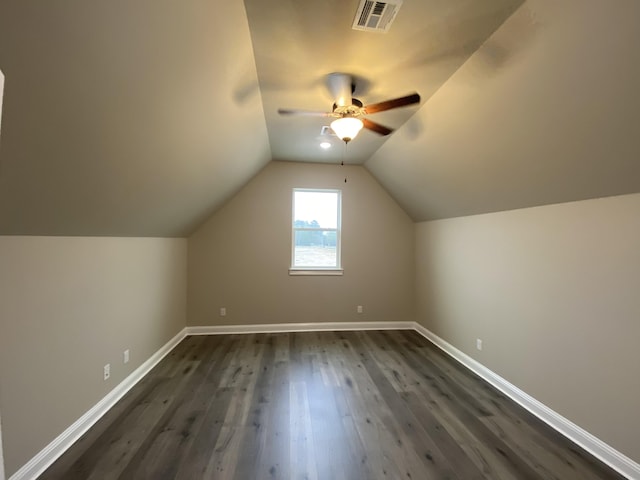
<point>373,16</point>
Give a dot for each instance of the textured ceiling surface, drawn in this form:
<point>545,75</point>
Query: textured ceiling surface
<point>142,118</point>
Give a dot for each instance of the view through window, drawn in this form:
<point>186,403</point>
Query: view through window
<point>316,229</point>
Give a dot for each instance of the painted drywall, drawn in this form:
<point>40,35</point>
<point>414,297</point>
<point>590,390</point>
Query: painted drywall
<point>239,259</point>
<point>553,293</point>
<point>68,306</point>
<point>126,118</point>
<point>1,452</point>
<point>546,111</point>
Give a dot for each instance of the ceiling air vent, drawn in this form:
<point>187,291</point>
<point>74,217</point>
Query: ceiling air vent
<point>373,16</point>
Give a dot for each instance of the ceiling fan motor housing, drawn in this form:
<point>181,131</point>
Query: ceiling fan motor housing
<point>341,86</point>
<point>355,109</point>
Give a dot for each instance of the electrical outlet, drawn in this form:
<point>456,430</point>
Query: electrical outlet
<point>359,309</point>
<point>125,356</point>
<point>107,371</point>
<point>223,312</point>
<point>478,344</point>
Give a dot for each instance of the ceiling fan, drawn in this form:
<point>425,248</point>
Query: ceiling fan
<point>350,112</point>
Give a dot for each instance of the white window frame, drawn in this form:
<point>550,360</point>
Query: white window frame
<point>317,270</point>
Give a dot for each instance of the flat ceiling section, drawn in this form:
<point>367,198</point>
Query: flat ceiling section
<point>298,43</point>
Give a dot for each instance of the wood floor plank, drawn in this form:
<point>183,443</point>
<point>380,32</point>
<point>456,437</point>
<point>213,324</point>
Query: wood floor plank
<point>465,407</point>
<point>319,406</point>
<point>376,424</point>
<point>224,459</point>
<point>360,424</point>
<point>254,438</point>
<point>414,436</point>
<point>76,462</point>
<point>550,464</point>
<point>302,460</point>
<point>582,465</point>
<point>274,462</point>
<point>328,431</point>
<point>162,452</point>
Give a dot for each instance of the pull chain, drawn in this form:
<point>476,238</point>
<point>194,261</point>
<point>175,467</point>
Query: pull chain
<point>344,156</point>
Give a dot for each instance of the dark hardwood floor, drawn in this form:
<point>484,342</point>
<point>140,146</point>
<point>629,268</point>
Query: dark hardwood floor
<point>319,405</point>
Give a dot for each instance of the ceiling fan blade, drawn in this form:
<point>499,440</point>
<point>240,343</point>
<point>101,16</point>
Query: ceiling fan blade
<point>339,85</point>
<point>395,103</point>
<point>308,113</point>
<point>376,127</point>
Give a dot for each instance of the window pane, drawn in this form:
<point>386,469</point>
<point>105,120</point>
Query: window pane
<point>316,229</point>
<point>315,249</point>
<point>316,209</point>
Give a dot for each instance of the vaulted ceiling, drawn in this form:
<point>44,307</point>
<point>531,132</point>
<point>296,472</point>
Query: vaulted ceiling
<point>141,118</point>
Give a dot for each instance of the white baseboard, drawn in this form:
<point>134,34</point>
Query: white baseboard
<point>62,442</point>
<point>596,447</point>
<point>299,327</point>
<point>581,437</point>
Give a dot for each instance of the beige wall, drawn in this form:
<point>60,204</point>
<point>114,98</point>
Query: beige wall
<point>68,306</point>
<point>240,257</point>
<point>553,293</point>
<point>1,452</point>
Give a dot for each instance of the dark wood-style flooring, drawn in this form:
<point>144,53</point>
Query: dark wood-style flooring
<point>319,405</point>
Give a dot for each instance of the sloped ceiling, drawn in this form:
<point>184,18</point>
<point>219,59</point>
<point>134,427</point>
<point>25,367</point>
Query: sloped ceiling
<point>142,118</point>
<point>557,121</point>
<point>123,117</point>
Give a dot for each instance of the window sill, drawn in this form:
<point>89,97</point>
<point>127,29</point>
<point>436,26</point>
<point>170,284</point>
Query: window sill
<point>319,271</point>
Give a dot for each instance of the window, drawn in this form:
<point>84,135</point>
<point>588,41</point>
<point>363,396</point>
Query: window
<point>316,232</point>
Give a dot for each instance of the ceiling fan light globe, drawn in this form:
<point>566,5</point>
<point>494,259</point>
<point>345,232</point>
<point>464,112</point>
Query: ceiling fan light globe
<point>346,128</point>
